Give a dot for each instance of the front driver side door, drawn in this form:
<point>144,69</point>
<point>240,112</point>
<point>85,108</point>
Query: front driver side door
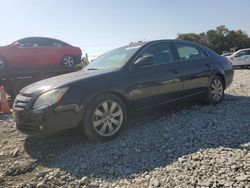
<point>157,83</point>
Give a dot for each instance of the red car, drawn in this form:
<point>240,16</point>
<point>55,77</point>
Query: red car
<point>39,52</point>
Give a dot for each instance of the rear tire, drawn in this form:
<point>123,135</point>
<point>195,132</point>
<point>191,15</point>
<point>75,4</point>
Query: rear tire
<point>215,91</point>
<point>68,61</point>
<point>104,118</point>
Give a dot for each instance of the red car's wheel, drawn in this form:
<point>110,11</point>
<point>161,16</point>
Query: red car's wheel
<point>68,61</point>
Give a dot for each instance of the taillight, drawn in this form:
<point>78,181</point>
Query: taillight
<point>229,60</point>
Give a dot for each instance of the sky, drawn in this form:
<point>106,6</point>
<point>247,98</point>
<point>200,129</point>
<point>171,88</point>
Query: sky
<point>97,26</point>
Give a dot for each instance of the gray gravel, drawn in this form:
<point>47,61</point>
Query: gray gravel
<point>184,146</point>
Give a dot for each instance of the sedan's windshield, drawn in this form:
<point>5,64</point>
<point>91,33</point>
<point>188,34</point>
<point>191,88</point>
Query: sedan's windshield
<point>114,59</point>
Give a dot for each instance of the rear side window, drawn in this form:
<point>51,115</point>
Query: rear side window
<point>189,52</point>
<point>57,44</point>
<point>161,52</point>
<point>44,42</point>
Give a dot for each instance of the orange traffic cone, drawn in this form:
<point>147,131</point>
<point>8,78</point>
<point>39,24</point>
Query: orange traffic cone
<point>5,108</point>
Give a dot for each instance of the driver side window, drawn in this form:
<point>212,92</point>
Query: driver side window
<point>160,51</point>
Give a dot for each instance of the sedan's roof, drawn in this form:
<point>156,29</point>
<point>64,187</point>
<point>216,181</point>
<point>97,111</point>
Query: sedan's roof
<point>161,40</point>
<point>43,38</point>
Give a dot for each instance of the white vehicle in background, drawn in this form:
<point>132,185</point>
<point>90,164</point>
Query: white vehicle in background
<point>241,58</point>
<point>227,54</point>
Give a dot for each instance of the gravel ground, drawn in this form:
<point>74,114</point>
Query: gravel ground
<point>187,146</point>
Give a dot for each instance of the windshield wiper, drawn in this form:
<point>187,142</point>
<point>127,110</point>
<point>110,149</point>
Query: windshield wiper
<point>94,68</point>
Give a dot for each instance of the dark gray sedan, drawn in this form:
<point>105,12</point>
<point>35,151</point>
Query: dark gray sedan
<point>133,77</point>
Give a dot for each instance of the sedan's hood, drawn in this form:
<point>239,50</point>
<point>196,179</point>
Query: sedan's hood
<point>60,81</point>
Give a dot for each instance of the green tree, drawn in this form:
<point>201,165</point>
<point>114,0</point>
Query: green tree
<point>220,39</point>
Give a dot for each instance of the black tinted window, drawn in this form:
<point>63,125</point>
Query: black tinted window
<point>187,51</point>
<point>24,43</point>
<point>44,42</point>
<point>57,43</point>
<point>160,51</point>
<point>40,42</point>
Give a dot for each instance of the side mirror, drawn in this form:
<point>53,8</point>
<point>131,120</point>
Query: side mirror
<point>144,61</point>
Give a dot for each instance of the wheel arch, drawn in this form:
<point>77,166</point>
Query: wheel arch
<point>221,75</point>
<point>112,92</point>
<point>121,96</point>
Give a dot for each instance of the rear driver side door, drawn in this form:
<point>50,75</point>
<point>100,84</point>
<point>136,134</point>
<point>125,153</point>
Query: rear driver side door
<point>196,66</point>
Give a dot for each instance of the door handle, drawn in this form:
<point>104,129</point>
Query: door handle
<point>175,71</point>
<point>208,65</point>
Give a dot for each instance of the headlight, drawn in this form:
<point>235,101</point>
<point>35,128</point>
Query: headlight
<point>49,98</point>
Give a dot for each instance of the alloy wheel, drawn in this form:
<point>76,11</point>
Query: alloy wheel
<point>107,118</point>
<point>217,90</point>
<point>68,61</point>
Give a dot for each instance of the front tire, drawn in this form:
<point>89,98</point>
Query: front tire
<point>215,91</point>
<point>104,118</point>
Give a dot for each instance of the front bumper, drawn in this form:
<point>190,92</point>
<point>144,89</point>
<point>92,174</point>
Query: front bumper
<point>47,121</point>
<point>32,122</point>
